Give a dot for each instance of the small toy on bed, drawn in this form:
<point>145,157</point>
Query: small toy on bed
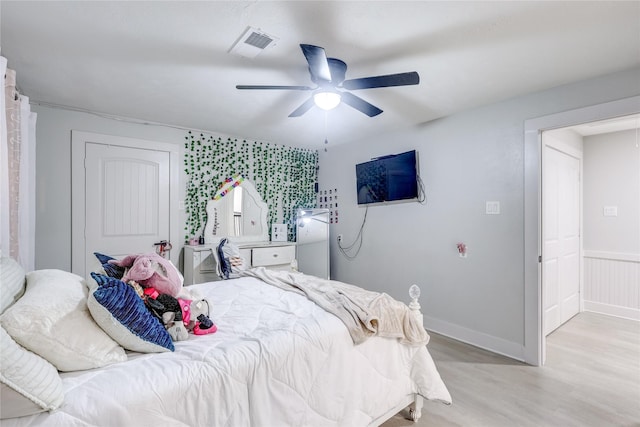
<point>204,326</point>
<point>177,313</point>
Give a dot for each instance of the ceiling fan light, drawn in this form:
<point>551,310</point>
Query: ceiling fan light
<point>327,100</point>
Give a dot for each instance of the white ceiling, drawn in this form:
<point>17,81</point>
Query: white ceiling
<point>168,62</point>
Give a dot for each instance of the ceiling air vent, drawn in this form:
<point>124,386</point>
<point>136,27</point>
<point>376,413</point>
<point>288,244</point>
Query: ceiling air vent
<point>252,42</point>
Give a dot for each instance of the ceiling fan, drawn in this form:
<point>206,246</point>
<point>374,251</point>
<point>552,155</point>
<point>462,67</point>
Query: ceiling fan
<point>329,76</point>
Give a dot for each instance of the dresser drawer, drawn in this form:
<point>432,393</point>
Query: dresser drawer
<point>277,255</point>
<point>206,263</point>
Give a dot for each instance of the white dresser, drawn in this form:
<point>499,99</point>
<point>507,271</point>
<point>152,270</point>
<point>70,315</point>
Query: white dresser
<point>200,265</point>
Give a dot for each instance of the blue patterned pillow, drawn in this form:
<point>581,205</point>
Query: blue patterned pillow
<point>112,270</point>
<point>118,309</point>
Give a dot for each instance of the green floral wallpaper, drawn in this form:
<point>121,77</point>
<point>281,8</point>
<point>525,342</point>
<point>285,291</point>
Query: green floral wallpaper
<point>284,176</point>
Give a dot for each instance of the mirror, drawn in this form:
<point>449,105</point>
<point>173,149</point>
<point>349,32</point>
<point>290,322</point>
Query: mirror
<point>238,212</point>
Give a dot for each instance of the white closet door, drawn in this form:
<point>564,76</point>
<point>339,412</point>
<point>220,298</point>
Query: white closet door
<point>561,266</point>
<point>124,196</point>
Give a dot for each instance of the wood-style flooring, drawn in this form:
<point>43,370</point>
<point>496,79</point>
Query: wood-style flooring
<point>591,378</point>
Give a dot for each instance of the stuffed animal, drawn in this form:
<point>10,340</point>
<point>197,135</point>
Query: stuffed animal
<point>204,326</point>
<point>177,314</point>
<point>199,310</point>
<point>151,270</point>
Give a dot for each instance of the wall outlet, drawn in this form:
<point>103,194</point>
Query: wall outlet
<point>279,232</point>
<point>339,238</point>
<point>492,207</point>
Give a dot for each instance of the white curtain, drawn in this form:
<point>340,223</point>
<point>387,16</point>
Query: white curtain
<point>17,170</point>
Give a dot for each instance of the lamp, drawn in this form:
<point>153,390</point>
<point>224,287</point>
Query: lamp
<point>327,100</point>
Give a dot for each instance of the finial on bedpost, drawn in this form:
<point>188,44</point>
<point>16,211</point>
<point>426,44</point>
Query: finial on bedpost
<point>414,293</point>
<point>414,305</point>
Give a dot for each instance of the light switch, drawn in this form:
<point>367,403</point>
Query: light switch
<point>493,208</point>
<point>610,211</point>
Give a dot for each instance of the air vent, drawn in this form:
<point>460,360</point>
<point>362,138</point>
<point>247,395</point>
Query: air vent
<point>258,40</point>
<point>252,42</point>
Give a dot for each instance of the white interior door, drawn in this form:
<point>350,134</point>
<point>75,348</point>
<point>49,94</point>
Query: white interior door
<point>122,199</point>
<point>561,231</point>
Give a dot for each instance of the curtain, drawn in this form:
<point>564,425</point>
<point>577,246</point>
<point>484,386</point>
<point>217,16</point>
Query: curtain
<point>17,169</point>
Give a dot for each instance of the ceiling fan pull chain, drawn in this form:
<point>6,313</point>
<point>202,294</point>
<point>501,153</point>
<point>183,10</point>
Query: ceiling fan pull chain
<point>326,132</point>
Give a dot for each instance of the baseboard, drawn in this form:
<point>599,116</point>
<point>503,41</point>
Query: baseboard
<point>612,310</point>
<point>477,339</point>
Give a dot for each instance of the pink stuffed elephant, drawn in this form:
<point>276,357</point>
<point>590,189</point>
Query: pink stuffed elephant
<point>151,270</point>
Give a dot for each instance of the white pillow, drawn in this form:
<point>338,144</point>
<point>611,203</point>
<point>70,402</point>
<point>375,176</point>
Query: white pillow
<point>52,320</point>
<point>12,281</point>
<point>31,376</point>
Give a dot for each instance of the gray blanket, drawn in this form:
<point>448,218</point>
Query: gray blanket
<point>365,313</point>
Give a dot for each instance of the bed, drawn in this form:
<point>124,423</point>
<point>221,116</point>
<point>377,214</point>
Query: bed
<point>276,358</point>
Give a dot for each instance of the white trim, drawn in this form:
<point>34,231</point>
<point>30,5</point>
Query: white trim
<point>533,337</point>
<point>560,145</point>
<point>475,338</point>
<point>79,140</point>
<point>612,310</point>
<point>616,256</point>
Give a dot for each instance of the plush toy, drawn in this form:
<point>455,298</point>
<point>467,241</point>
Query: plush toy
<point>177,314</point>
<point>151,270</point>
<point>199,310</point>
<point>173,317</point>
<point>204,326</point>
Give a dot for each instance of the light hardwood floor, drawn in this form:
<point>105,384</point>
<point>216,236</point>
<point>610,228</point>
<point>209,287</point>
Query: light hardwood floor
<point>591,378</point>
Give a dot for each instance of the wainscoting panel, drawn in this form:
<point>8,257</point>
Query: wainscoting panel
<point>612,283</point>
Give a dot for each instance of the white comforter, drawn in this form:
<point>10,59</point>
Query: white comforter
<point>276,360</point>
<point>364,313</point>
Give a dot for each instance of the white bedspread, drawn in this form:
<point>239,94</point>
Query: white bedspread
<point>364,313</point>
<point>277,360</point>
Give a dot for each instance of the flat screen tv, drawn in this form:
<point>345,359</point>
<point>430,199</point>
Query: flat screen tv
<point>388,179</point>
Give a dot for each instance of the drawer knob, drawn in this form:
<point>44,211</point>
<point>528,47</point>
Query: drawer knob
<point>275,255</point>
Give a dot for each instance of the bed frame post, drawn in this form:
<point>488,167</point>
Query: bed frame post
<point>414,292</point>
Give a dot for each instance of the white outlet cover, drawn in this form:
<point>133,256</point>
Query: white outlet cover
<point>492,208</point>
<point>279,232</point>
<point>610,211</point>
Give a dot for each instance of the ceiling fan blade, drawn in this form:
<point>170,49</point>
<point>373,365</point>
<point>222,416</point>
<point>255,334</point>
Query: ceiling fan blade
<point>306,106</point>
<point>274,87</point>
<point>359,104</point>
<point>318,64</point>
<point>401,79</point>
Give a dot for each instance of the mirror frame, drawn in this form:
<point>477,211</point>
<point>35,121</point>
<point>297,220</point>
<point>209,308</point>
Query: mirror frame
<point>249,191</point>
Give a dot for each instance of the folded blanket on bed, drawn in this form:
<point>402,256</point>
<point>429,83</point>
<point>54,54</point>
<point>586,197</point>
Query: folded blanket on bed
<point>365,313</point>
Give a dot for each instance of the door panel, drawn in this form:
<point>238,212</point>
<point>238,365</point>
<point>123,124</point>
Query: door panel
<point>126,200</point>
<point>561,250</point>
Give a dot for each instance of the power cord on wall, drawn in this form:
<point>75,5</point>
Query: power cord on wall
<point>422,195</point>
<point>357,242</point>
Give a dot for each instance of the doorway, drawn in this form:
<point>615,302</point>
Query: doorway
<point>534,339</point>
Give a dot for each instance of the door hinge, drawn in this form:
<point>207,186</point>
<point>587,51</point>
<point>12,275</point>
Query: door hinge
<point>539,258</point>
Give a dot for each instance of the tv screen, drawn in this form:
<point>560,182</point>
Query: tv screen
<point>387,179</point>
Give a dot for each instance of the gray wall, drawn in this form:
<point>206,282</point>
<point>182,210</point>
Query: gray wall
<point>465,160</point>
<point>53,174</point>
<point>612,178</point>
